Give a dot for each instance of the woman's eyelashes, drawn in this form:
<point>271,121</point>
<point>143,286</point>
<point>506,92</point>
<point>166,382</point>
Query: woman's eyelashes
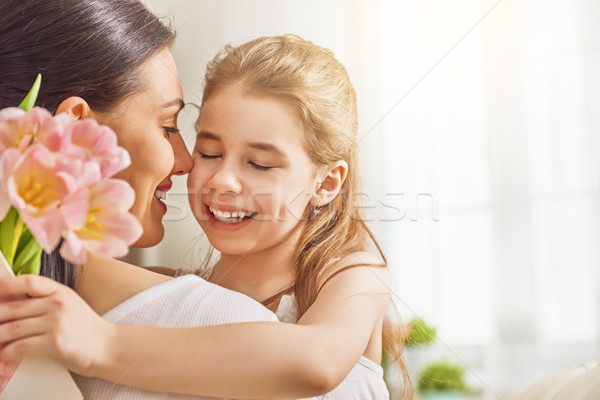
<point>170,130</point>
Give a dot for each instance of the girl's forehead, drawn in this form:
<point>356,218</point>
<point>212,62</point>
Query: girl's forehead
<point>256,117</point>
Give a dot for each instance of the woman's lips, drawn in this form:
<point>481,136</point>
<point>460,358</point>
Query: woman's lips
<point>161,193</point>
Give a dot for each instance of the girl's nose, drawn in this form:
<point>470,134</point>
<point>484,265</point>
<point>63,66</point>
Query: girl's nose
<point>183,160</point>
<point>224,179</point>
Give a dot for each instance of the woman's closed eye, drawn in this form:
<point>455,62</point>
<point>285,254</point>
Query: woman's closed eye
<point>170,130</point>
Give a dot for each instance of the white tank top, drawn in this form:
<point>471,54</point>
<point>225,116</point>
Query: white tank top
<point>365,380</point>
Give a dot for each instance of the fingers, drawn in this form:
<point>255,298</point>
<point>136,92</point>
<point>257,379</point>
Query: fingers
<point>30,285</point>
<point>31,346</point>
<point>21,329</point>
<point>53,322</point>
<point>11,310</point>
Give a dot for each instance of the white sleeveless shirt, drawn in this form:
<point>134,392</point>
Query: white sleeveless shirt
<point>365,380</point>
<point>186,301</point>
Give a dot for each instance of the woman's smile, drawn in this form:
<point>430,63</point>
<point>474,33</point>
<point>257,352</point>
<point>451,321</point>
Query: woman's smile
<point>161,192</point>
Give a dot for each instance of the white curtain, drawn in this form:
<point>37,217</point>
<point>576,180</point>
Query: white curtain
<point>480,141</point>
<point>504,133</point>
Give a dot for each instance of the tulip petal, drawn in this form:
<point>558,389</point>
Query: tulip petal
<point>72,249</point>
<point>7,161</point>
<point>75,210</point>
<point>46,228</point>
<point>114,194</point>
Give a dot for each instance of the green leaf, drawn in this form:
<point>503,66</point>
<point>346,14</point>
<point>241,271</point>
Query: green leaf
<point>24,240</point>
<point>32,266</point>
<point>7,233</point>
<point>29,100</point>
<point>24,257</point>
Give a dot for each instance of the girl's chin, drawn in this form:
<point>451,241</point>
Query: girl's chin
<point>237,247</point>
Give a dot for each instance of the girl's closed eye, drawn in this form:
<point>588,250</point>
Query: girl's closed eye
<point>208,156</point>
<point>258,166</point>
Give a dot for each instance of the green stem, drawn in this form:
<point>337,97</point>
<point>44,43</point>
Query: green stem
<point>19,230</point>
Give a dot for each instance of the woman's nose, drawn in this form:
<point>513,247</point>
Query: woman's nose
<point>183,160</point>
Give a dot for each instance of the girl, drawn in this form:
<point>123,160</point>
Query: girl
<point>272,185</point>
<point>274,174</point>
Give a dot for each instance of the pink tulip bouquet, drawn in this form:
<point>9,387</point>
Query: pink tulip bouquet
<point>56,183</point>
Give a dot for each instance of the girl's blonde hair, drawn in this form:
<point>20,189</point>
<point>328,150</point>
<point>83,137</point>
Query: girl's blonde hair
<point>309,78</point>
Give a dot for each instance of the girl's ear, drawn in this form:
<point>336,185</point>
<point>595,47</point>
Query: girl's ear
<point>75,107</point>
<point>330,184</point>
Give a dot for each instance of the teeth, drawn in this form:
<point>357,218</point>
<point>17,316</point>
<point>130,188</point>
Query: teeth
<point>160,194</point>
<point>226,216</point>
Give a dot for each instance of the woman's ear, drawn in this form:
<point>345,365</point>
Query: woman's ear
<point>331,184</point>
<point>75,107</point>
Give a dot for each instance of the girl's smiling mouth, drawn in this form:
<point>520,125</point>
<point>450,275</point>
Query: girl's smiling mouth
<point>230,217</point>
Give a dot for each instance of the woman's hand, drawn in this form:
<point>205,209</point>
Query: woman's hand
<point>40,317</point>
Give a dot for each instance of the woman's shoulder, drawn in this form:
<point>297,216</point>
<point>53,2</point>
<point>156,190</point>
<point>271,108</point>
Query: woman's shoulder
<point>101,275</point>
<point>188,301</point>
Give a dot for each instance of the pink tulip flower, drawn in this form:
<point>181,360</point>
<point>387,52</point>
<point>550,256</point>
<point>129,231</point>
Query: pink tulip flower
<point>18,128</point>
<point>8,119</point>
<point>36,189</point>
<point>98,220</point>
<point>91,141</point>
<point>55,172</point>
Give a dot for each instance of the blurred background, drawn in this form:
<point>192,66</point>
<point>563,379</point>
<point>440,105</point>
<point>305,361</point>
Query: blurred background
<point>480,148</point>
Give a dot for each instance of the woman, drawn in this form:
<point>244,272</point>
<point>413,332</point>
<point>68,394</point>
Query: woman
<point>93,50</point>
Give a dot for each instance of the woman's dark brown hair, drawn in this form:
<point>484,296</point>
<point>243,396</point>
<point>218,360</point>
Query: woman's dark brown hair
<point>92,49</point>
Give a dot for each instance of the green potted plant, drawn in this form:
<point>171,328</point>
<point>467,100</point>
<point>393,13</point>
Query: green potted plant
<point>442,380</point>
<point>419,333</point>
<point>420,346</point>
<point>416,336</point>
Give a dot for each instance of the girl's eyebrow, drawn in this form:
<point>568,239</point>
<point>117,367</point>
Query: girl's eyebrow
<point>255,145</point>
<point>207,135</point>
<point>267,147</point>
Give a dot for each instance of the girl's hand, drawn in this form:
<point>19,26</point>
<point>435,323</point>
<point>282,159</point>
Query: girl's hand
<point>40,317</point>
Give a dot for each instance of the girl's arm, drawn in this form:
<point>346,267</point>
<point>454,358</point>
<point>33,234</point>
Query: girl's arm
<point>249,360</point>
